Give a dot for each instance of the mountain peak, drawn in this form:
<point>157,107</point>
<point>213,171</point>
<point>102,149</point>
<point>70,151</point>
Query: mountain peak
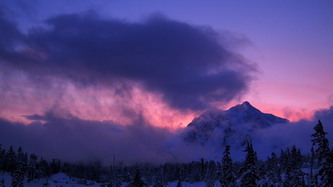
<point>245,106</point>
<point>241,113</point>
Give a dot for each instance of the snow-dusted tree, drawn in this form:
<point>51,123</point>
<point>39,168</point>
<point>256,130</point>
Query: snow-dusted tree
<point>169,172</point>
<point>159,179</point>
<point>182,173</point>
<point>296,175</point>
<point>194,172</point>
<point>10,160</point>
<point>43,168</point>
<point>21,165</point>
<point>179,183</point>
<point>322,154</point>
<point>312,178</point>
<point>203,169</point>
<point>273,171</point>
<point>261,171</point>
<point>291,165</point>
<point>126,177</point>
<point>285,159</point>
<point>32,167</point>
<point>228,176</point>
<point>118,176</point>
<point>296,157</point>
<point>137,181</point>
<point>248,170</point>
<point>211,174</point>
<point>2,157</point>
<point>55,166</point>
<point>320,142</point>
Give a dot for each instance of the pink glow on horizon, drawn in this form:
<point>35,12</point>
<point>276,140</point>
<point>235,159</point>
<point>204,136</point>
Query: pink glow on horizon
<point>87,103</point>
<point>290,100</point>
<point>22,97</point>
<point>104,105</point>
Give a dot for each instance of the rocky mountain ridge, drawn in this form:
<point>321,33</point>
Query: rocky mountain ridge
<point>232,126</point>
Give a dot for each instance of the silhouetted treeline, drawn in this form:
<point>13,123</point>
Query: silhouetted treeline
<point>288,168</point>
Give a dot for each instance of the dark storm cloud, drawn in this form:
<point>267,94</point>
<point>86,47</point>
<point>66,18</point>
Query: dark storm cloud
<point>78,140</point>
<point>186,64</point>
<point>10,37</point>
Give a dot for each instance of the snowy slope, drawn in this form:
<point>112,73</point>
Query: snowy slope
<point>56,180</point>
<point>63,180</point>
<point>188,184</point>
<point>233,126</point>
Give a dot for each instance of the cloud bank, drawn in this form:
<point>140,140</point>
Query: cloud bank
<point>294,133</point>
<point>72,139</point>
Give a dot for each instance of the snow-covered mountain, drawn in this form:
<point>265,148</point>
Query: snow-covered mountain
<point>233,126</point>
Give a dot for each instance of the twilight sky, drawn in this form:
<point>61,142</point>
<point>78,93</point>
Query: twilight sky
<point>164,61</point>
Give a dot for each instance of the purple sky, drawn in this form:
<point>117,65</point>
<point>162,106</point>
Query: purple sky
<point>290,42</point>
<point>162,62</point>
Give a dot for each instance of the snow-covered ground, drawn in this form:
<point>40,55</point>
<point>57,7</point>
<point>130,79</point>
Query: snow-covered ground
<point>56,180</point>
<point>185,184</point>
<point>63,180</point>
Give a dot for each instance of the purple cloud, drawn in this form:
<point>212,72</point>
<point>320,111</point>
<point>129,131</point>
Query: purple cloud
<point>188,65</point>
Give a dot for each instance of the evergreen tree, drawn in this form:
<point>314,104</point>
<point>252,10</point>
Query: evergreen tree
<point>18,175</point>
<point>43,168</point>
<point>296,157</point>
<point>2,157</point>
<point>179,183</point>
<point>169,173</point>
<point>137,181</point>
<point>159,179</point>
<point>194,173</point>
<point>211,174</point>
<point>10,160</point>
<point>296,177</point>
<point>261,171</point>
<point>126,177</point>
<point>322,153</point>
<point>249,175</point>
<point>273,171</point>
<point>202,169</point>
<point>182,173</point>
<point>296,174</point>
<point>312,179</point>
<point>32,167</point>
<point>228,177</point>
<point>119,180</point>
<point>55,166</point>
<point>291,162</point>
<point>283,160</point>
